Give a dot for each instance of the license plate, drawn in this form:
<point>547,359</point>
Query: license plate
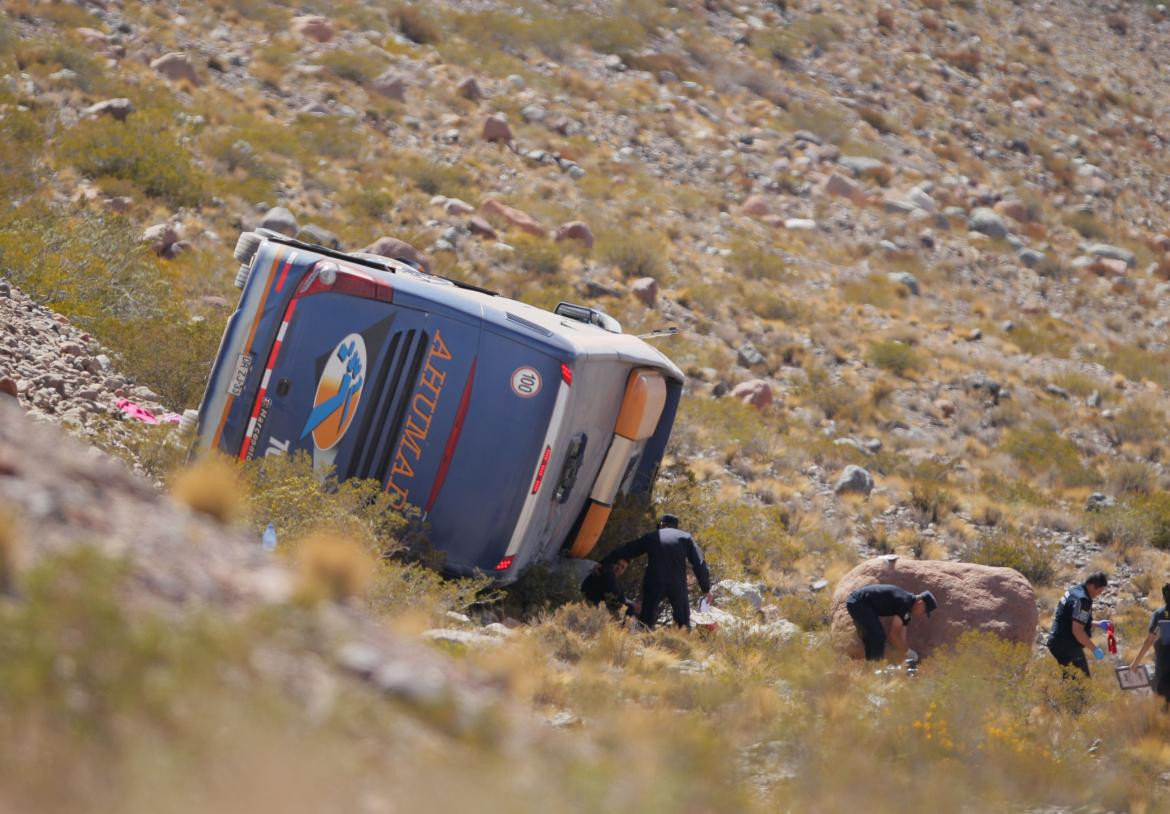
<point>243,366</point>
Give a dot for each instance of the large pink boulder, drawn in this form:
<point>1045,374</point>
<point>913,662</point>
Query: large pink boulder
<point>970,597</point>
<point>515,218</point>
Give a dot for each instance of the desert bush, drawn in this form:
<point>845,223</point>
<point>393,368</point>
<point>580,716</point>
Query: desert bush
<point>540,589</point>
<point>1087,225</point>
<point>1131,477</point>
<point>637,254</point>
<point>287,492</point>
<point>837,399</point>
<point>23,134</point>
<point>829,124</point>
<point>753,261</point>
<point>1139,421</point>
<point>1042,451</point>
<point>896,357</point>
<point>212,486</point>
<point>415,24</point>
<point>538,255</point>
<point>1010,549</point>
<point>332,567</point>
<point>359,66</point>
<point>142,150</point>
<point>931,501</point>
<point>876,290</point>
<point>433,178</point>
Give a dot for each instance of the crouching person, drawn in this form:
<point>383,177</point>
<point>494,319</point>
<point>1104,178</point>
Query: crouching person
<point>868,605</point>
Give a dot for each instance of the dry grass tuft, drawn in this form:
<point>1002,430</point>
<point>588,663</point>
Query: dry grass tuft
<point>9,549</point>
<point>211,486</point>
<point>331,567</point>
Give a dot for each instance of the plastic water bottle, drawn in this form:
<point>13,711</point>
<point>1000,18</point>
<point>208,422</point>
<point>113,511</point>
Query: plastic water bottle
<point>268,541</point>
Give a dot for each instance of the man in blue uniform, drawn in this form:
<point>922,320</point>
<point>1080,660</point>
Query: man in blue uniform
<point>1159,637</point>
<point>1073,623</point>
<point>602,585</point>
<point>667,550</point>
<point>867,605</point>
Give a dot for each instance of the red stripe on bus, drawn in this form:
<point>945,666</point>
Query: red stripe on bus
<point>292,306</point>
<point>456,429</point>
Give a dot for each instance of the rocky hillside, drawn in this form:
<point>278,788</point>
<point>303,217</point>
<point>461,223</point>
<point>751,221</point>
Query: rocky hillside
<point>917,251</point>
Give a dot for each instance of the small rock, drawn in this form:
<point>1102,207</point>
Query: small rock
<point>176,67</point>
<point>646,290</point>
<point>311,233</point>
<point>749,356</point>
<point>987,221</point>
<point>756,392</point>
<point>756,206</point>
<point>456,206</point>
<point>906,279</point>
<point>397,249</point>
<point>1098,502</point>
<point>469,89</point>
<point>118,109</point>
<point>160,237</point>
<point>575,230</point>
<point>1113,253</point>
<point>843,187</point>
<point>391,85</point>
<point>854,480</point>
<point>514,217</point>
<point>313,27</point>
<point>1013,208</point>
<point>279,219</point>
<point>8,386</point>
<point>496,129</point>
<point>478,226</point>
<point>945,407</point>
<point>800,224</point>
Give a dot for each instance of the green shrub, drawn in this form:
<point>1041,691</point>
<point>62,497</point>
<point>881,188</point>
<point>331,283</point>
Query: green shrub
<point>537,254</point>
<point>356,66</point>
<point>433,178</point>
<point>637,254</point>
<point>1042,451</point>
<point>897,357</point>
<point>752,261</point>
<point>1009,549</point>
<point>141,150</point>
<point>414,24</point>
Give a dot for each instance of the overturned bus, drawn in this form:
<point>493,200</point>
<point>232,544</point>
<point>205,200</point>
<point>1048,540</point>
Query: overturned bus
<point>509,429</point>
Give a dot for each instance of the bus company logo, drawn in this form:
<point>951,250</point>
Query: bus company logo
<point>339,390</point>
<point>526,382</point>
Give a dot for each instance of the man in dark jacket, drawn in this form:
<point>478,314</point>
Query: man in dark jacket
<point>1072,624</point>
<point>1159,637</point>
<point>603,585</point>
<point>867,605</point>
<point>667,550</point>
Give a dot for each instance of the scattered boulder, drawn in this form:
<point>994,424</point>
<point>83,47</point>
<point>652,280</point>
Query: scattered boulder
<point>987,221</point>
<point>946,408</point>
<point>843,187</point>
<point>866,167</point>
<point>496,129</point>
<point>279,219</point>
<point>313,27</point>
<point>514,217</point>
<point>8,386</point>
<point>478,226</point>
<point>854,480</point>
<point>729,589</point>
<point>576,230</point>
<point>756,392</point>
<point>1104,250</point>
<point>457,206</point>
<point>970,598</point>
<point>1099,502</point>
<point>469,89</point>
<point>176,67</point>
<point>904,279</point>
<point>397,249</point>
<point>749,356</point>
<point>646,290</point>
<point>118,109</point>
<point>1013,208</point>
<point>391,85</point>
<point>922,199</point>
<point>161,237</point>
<point>756,206</point>
<point>311,233</point>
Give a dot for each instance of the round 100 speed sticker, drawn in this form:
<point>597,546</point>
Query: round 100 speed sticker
<point>526,382</point>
